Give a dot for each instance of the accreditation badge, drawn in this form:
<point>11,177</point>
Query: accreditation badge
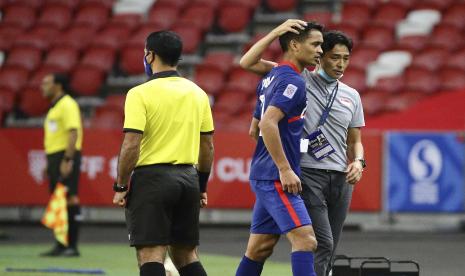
<point>52,126</point>
<point>318,146</point>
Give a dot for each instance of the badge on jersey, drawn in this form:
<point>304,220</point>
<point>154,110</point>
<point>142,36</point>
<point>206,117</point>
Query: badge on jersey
<point>318,146</point>
<point>52,126</point>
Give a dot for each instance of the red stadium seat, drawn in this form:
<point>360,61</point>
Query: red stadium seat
<point>22,16</point>
<point>222,61</point>
<point>445,36</point>
<point>138,38</point>
<point>322,17</point>
<point>111,37</point>
<point>454,15</point>
<point>209,79</point>
<point>32,103</point>
<point>7,100</point>
<point>271,52</point>
<point>31,40</point>
<point>244,80</point>
<point>281,5</point>
<point>77,37</point>
<point>389,85</point>
<point>62,58</point>
<point>452,79</point>
<point>378,37</point>
<point>231,102</point>
<point>212,3</point>
<point>36,4</point>
<point>402,101</point>
<point>108,4</point>
<point>434,4</point>
<point>373,102</point>
<point>251,4</point>
<point>100,58</point>
<point>355,78</point>
<point>13,78</point>
<point>163,15</point>
<point>191,37</point>
<point>93,17</point>
<point>131,61</point>
<point>126,20</point>
<point>107,118</point>
<point>46,33</point>
<point>421,80</point>
<point>407,4</point>
<point>55,16</point>
<point>412,43</point>
<point>8,35</point>
<point>178,4</point>
<point>456,59</point>
<point>87,80</point>
<point>389,14</point>
<point>27,58</point>
<point>431,58</point>
<point>369,3</point>
<point>116,101</point>
<point>357,15</point>
<point>347,28</point>
<point>234,17</point>
<point>199,15</point>
<point>362,56</point>
<point>72,4</point>
<point>36,79</point>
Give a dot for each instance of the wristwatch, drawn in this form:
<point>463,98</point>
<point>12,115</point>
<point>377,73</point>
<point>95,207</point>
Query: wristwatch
<point>119,189</point>
<point>362,161</point>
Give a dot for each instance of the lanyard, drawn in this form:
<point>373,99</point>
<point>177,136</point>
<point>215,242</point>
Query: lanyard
<point>329,105</point>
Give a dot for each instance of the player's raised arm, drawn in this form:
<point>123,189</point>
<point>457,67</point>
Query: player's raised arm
<point>252,60</point>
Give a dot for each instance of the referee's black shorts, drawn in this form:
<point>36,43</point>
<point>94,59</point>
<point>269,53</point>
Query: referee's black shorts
<point>163,205</point>
<point>53,172</point>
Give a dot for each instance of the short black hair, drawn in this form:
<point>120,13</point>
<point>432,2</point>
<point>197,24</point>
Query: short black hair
<point>332,38</point>
<point>61,79</point>
<point>165,44</point>
<point>286,38</point>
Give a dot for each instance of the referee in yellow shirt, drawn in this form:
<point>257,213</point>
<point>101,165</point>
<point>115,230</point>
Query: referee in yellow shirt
<point>168,129</point>
<point>63,143</point>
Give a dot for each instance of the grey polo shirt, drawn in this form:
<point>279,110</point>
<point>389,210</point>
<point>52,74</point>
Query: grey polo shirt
<point>347,112</point>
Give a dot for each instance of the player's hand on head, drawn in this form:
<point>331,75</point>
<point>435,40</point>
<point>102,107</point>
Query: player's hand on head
<point>354,172</point>
<point>290,181</point>
<point>290,25</point>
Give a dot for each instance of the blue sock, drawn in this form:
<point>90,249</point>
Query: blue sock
<point>248,267</point>
<point>302,263</point>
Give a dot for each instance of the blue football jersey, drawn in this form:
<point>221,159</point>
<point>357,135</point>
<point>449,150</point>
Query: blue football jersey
<point>283,88</point>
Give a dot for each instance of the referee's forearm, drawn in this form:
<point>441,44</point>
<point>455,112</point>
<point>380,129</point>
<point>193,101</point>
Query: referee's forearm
<point>206,153</point>
<point>126,162</point>
<point>71,148</point>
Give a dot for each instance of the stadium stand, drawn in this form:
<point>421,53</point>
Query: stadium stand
<point>99,43</point>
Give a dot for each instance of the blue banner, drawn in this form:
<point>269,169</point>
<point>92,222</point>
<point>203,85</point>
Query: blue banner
<point>425,172</point>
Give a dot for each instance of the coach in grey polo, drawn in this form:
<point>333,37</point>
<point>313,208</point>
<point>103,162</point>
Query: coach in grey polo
<point>327,184</point>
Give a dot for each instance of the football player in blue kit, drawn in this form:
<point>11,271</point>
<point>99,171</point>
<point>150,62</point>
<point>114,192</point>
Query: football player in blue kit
<point>275,170</point>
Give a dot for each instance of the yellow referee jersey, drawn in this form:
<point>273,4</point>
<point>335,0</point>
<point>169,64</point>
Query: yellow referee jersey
<point>171,112</point>
<point>64,115</point>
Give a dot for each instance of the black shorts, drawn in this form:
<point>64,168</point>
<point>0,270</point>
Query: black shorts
<point>53,172</point>
<point>163,206</point>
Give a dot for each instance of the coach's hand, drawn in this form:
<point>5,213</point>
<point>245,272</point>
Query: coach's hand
<point>290,181</point>
<point>120,198</point>
<point>354,172</point>
<point>203,200</point>
<point>290,25</point>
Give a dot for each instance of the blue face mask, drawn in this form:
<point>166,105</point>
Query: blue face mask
<point>325,76</point>
<point>147,67</point>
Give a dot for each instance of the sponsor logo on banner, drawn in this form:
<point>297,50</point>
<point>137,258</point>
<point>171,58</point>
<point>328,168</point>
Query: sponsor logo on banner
<point>425,166</point>
<point>425,172</point>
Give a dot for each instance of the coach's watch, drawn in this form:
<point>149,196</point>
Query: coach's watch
<point>362,161</point>
<point>119,189</point>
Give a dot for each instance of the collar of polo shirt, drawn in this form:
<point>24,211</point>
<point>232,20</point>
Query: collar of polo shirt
<point>164,74</point>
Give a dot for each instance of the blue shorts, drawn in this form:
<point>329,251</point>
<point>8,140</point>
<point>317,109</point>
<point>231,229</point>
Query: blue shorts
<point>276,211</point>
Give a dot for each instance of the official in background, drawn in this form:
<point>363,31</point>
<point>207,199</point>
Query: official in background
<point>168,129</point>
<point>63,143</point>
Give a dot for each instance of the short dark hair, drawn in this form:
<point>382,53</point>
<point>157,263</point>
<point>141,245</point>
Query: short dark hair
<point>286,38</point>
<point>332,38</point>
<point>61,79</point>
<point>165,44</point>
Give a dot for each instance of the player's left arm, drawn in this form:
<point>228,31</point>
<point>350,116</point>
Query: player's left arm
<point>354,152</point>
<point>254,131</point>
<point>72,121</point>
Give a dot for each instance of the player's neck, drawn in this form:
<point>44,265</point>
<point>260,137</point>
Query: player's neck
<point>162,68</point>
<point>56,96</point>
<point>292,60</point>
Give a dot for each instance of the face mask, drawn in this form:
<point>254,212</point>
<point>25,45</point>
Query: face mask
<point>147,67</point>
<point>325,76</point>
